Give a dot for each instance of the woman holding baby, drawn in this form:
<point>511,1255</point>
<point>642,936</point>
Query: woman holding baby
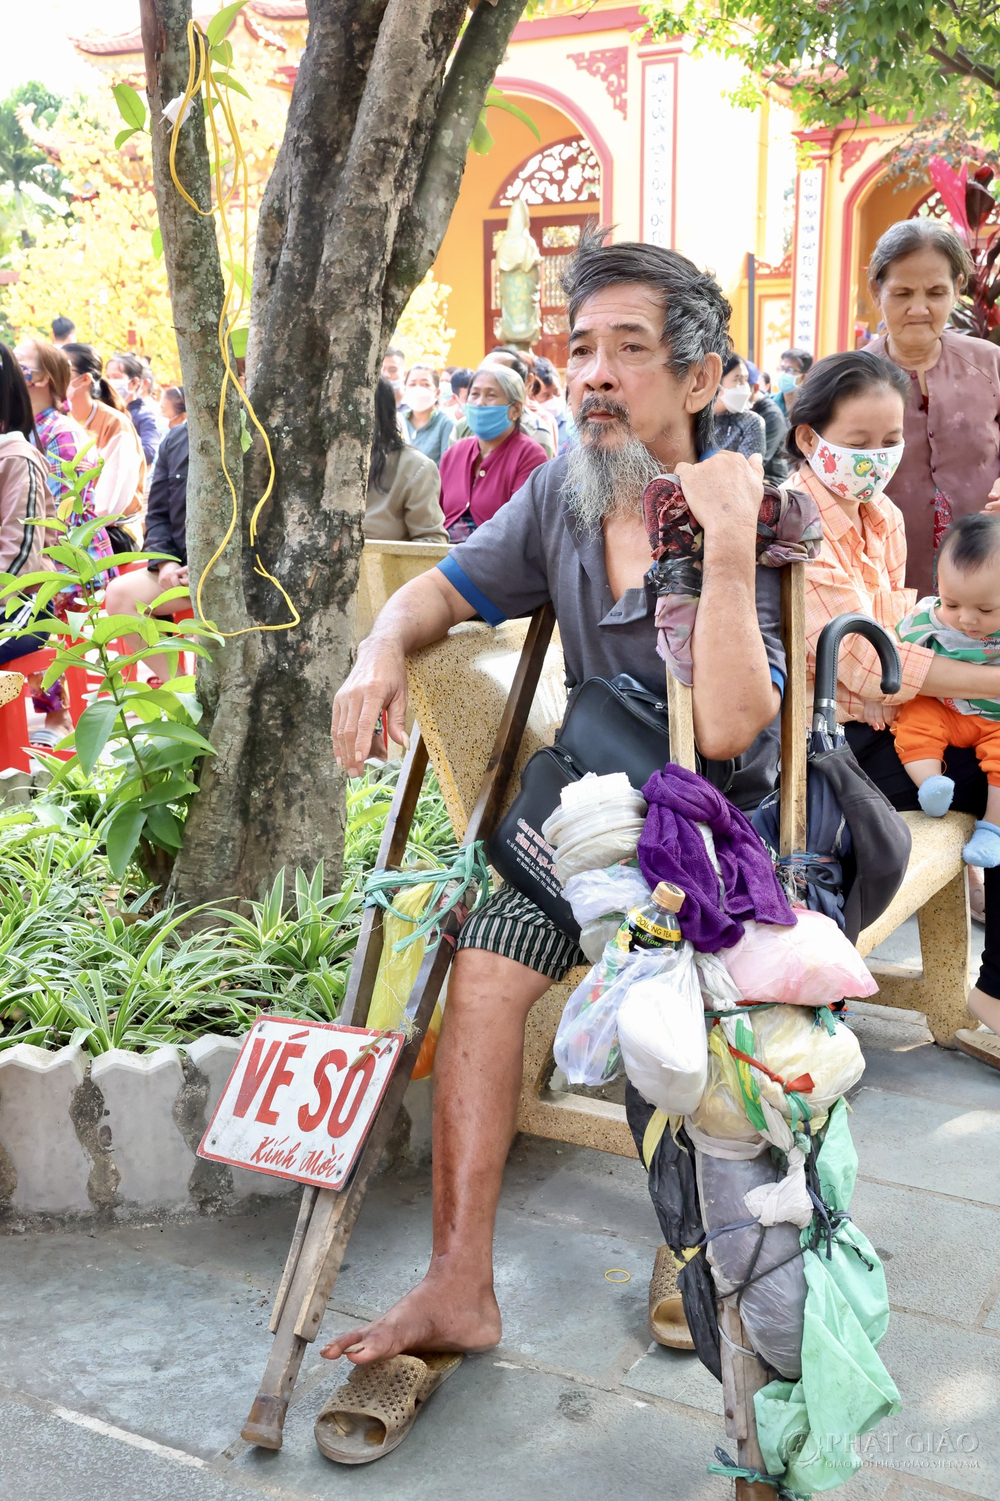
<point>848,440</point>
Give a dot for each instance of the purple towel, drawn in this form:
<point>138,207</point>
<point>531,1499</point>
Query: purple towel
<point>672,849</point>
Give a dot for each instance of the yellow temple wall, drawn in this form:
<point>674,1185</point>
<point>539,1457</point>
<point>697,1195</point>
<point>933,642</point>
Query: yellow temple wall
<point>713,173</point>
<point>459,263</point>
<point>858,204</point>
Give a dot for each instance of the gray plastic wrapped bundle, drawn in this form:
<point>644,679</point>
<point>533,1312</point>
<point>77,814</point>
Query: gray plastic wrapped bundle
<point>772,1307</point>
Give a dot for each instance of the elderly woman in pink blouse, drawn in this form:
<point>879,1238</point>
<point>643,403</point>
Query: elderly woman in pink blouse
<point>951,462</point>
<point>481,473</point>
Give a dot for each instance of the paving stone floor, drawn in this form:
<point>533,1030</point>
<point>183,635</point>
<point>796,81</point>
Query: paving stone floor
<point>130,1356</point>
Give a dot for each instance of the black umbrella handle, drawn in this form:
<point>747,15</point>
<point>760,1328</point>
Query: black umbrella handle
<point>827,659</point>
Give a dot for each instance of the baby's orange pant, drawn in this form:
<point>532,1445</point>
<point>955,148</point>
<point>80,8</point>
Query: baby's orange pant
<point>926,727</point>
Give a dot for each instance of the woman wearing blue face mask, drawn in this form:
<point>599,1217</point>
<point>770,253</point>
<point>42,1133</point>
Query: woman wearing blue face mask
<point>479,474</point>
<point>794,365</point>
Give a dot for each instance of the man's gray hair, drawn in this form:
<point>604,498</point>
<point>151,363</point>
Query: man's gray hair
<point>695,312</point>
<point>508,380</point>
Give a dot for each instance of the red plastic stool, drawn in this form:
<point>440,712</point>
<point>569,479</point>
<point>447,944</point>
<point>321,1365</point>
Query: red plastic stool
<point>14,749</point>
<point>130,674</point>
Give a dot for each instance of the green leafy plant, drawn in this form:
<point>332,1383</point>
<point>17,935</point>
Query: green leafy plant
<point>842,60</point>
<point>85,960</point>
<point>85,957</point>
<point>149,733</point>
<point>482,140</point>
<point>431,841</point>
<point>132,111</point>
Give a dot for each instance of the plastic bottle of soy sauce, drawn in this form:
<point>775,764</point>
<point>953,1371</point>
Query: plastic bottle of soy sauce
<point>654,925</point>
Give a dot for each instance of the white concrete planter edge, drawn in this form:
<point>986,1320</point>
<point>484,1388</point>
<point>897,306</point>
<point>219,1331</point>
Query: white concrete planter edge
<point>113,1138</point>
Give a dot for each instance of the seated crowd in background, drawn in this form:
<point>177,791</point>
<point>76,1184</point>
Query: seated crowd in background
<point>121,486</point>
<point>133,383</point>
<point>166,532</point>
<point>480,473</point>
<point>59,405</point>
<point>428,428</point>
<point>794,365</point>
<point>737,427</point>
<point>403,502</point>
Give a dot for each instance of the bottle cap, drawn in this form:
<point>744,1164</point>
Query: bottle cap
<point>668,896</point>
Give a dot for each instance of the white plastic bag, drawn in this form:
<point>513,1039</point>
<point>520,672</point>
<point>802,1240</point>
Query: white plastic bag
<point>718,989</point>
<point>600,899</point>
<point>595,893</point>
<point>811,964</point>
<point>792,1041</point>
<point>594,850</point>
<point>586,1046</point>
<point>661,1032</point>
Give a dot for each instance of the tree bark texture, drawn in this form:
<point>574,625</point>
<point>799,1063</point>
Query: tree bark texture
<point>194,272</point>
<point>354,212</point>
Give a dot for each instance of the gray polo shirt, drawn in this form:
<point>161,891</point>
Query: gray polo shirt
<point>533,550</point>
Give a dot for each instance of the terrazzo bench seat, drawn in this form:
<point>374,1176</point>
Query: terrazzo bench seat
<point>935,888</point>
<point>458,688</point>
<point>386,567</point>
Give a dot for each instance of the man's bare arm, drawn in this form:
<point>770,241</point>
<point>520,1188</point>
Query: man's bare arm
<point>422,611</point>
<point>734,697</point>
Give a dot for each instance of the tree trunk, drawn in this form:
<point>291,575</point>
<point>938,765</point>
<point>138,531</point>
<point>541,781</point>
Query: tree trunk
<point>361,193</point>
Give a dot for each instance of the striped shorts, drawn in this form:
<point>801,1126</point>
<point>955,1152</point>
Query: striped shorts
<point>510,924</point>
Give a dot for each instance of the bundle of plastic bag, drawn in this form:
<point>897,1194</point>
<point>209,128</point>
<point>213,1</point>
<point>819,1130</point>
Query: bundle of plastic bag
<point>397,973</point>
<point>661,1032</point>
<point>812,964</point>
<point>844,1389</point>
<point>597,823</point>
<point>772,1307</point>
<point>793,1042</point>
<point>586,1046</point>
<point>600,899</point>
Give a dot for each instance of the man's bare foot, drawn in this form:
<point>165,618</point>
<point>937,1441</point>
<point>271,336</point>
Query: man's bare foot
<point>440,1313</point>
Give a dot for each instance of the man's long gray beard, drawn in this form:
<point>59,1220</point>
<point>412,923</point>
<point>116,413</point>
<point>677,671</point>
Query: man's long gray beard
<point>602,481</point>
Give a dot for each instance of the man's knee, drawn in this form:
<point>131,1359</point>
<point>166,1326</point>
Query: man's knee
<point>484,979</point>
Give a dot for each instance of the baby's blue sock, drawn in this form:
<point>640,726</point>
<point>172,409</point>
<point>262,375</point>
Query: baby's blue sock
<point>935,795</point>
<point>984,846</point>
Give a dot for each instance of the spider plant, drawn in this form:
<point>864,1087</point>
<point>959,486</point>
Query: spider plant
<point>85,957</point>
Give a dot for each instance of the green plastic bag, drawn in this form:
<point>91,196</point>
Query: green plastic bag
<point>807,1428</point>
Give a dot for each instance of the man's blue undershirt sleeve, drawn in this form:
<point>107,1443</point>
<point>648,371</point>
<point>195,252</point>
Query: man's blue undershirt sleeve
<point>459,579</point>
<point>778,679</point>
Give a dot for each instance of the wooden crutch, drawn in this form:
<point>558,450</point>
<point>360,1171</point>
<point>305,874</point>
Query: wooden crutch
<point>326,1216</point>
<point>742,1375</point>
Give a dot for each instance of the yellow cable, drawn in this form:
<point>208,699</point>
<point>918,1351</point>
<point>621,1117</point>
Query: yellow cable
<point>199,75</point>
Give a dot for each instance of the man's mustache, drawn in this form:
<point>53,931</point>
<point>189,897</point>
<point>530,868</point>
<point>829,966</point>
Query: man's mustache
<point>605,405</point>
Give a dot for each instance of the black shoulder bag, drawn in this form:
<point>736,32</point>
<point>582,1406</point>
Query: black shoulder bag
<point>610,726</point>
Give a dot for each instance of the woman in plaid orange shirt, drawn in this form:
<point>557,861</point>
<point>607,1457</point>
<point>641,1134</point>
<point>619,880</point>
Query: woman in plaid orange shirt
<point>848,440</point>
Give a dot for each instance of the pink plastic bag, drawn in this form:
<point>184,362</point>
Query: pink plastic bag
<point>812,964</point>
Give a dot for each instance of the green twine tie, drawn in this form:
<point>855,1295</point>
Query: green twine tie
<point>733,1471</point>
<point>468,867</point>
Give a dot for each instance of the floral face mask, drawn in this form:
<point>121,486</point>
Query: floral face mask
<point>859,473</point>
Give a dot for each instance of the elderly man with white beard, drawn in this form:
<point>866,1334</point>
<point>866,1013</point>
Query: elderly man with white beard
<point>649,334</point>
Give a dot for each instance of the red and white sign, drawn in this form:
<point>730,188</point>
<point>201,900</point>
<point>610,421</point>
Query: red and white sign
<point>300,1100</point>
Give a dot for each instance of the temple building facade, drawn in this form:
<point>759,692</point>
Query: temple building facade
<point>641,134</point>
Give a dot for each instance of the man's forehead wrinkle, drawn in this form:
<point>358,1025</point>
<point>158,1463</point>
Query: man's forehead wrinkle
<point>615,328</point>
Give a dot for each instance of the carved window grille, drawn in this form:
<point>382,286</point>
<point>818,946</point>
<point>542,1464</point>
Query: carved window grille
<point>565,172</point>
